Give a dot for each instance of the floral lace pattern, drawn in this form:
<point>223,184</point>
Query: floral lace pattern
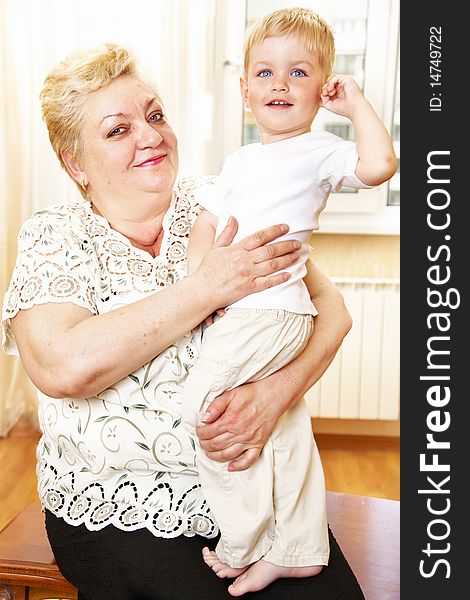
<point>123,456</point>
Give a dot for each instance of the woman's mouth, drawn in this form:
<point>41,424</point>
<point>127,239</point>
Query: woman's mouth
<point>153,161</point>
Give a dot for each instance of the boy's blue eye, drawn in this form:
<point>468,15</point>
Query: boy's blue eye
<point>264,73</point>
<point>298,73</point>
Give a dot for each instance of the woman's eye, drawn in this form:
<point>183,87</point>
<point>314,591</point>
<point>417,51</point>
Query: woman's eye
<point>116,131</point>
<point>264,73</point>
<point>155,117</point>
<point>298,73</point>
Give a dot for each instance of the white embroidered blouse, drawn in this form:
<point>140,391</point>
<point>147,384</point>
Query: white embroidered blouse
<point>121,457</point>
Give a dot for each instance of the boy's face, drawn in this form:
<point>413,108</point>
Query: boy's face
<point>282,87</point>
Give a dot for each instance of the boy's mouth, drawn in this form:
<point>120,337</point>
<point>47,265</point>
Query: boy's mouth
<point>279,103</point>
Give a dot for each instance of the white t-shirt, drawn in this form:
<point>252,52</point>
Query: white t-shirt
<point>122,457</point>
<point>283,182</point>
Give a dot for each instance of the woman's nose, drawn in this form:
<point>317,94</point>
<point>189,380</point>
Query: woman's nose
<point>148,136</point>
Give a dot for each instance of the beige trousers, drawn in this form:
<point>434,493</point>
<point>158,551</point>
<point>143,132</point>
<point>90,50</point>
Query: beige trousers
<point>276,509</point>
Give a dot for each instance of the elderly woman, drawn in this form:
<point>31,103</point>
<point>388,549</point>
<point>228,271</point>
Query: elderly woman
<point>107,325</point>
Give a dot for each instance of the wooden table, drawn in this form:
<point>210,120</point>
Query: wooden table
<point>368,532</point>
<point>27,566</point>
<point>367,529</point>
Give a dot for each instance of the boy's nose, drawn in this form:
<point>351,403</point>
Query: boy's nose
<point>279,86</point>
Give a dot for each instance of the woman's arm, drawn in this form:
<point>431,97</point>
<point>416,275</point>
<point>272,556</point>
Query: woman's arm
<point>201,239</point>
<point>239,422</point>
<point>68,352</point>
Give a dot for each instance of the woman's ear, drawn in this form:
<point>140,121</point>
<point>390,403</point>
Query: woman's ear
<point>74,168</point>
<point>244,91</point>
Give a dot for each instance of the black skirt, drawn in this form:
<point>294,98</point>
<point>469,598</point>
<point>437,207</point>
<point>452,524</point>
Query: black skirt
<point>135,565</point>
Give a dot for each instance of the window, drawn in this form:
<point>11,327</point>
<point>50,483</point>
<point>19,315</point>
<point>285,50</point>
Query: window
<point>366,38</point>
<point>394,183</point>
<point>342,130</point>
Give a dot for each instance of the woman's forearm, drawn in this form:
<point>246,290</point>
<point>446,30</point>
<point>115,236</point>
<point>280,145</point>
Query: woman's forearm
<point>238,423</point>
<point>68,352</point>
<point>331,326</point>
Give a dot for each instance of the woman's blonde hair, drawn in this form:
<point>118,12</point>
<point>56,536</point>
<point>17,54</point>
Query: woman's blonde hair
<point>67,87</point>
<point>304,24</point>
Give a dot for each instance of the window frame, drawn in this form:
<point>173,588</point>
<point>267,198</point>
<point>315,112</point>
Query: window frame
<point>370,214</point>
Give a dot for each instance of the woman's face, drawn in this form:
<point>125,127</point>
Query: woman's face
<point>128,147</point>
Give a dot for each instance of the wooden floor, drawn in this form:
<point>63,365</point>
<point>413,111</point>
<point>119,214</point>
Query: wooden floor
<point>366,466</point>
<point>362,465</point>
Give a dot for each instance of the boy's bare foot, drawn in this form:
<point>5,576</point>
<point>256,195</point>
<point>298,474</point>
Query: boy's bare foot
<point>257,576</point>
<point>220,568</point>
<point>262,573</point>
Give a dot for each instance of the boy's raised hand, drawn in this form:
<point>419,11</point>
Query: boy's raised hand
<point>376,157</point>
<point>339,95</point>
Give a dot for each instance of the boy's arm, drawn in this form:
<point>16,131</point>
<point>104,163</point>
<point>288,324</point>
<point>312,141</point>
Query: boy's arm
<point>201,239</point>
<point>377,161</point>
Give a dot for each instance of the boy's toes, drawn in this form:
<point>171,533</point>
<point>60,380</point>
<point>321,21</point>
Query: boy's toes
<point>210,557</point>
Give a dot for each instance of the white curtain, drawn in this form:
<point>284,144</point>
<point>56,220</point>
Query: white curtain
<point>172,40</point>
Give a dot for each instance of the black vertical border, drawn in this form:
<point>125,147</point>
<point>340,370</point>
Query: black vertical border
<point>424,131</point>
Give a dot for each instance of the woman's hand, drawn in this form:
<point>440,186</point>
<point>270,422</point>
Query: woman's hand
<point>69,352</point>
<point>231,271</point>
<point>238,424</point>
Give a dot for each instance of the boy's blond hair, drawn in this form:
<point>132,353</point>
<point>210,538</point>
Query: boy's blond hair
<point>302,23</point>
<point>70,83</point>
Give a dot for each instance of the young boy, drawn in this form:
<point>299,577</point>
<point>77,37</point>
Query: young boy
<point>272,516</point>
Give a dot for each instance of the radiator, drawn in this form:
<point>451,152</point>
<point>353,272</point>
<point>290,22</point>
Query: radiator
<point>362,382</point>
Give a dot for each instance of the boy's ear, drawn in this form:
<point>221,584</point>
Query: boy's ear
<point>244,91</point>
<point>74,168</point>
